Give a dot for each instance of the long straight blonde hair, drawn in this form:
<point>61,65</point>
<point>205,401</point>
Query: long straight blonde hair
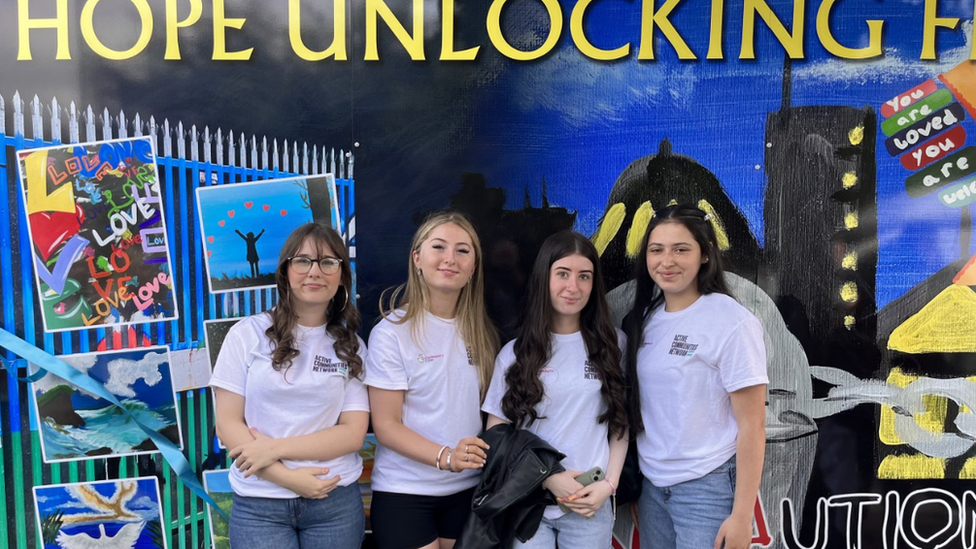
<point>476,329</point>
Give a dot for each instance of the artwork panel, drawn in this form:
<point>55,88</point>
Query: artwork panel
<point>75,425</point>
<point>109,513</point>
<point>191,369</point>
<point>214,332</point>
<point>97,234</point>
<point>217,485</point>
<point>244,225</point>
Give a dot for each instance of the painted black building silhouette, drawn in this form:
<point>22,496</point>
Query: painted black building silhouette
<point>821,229</point>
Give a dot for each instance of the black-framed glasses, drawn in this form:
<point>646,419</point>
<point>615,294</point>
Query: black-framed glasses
<point>302,265</point>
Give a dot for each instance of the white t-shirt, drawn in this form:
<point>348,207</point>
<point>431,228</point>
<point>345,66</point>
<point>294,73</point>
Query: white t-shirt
<point>305,398</point>
<point>688,364</point>
<point>441,396</point>
<point>571,404</point>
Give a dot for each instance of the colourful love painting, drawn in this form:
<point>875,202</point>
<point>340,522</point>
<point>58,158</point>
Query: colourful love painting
<point>98,237</point>
<point>242,242</point>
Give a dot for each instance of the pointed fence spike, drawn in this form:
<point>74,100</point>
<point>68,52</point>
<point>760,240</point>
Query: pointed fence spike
<point>264,152</point>
<point>73,136</point>
<point>352,162</point>
<point>18,114</point>
<point>294,157</point>
<point>106,124</point>
<point>123,125</point>
<point>55,120</point>
<point>137,125</point>
<point>305,157</point>
<point>284,158</point>
<point>206,144</point>
<point>153,131</point>
<point>274,153</point>
<point>167,140</point>
<point>242,151</point>
<point>315,160</point>
<point>194,143</point>
<point>3,116</point>
<point>90,125</point>
<point>37,118</point>
<point>220,147</point>
<point>180,140</point>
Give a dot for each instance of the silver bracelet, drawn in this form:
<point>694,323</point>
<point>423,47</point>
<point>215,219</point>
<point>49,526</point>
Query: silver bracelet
<point>449,454</point>
<point>437,462</point>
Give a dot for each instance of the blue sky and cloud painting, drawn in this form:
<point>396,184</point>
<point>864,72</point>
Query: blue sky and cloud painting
<point>112,513</point>
<point>244,226</point>
<point>74,424</point>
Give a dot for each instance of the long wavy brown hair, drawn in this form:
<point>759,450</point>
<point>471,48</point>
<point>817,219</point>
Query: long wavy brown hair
<point>476,329</point>
<point>342,317</point>
<point>533,348</point>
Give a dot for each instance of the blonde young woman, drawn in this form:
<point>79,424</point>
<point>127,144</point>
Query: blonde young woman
<point>429,366</point>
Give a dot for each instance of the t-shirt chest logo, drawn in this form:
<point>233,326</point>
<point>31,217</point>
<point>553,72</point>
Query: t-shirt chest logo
<point>424,359</point>
<point>681,347</point>
<point>589,371</point>
<point>326,365</point>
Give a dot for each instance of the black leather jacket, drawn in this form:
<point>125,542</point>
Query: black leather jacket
<point>509,501</point>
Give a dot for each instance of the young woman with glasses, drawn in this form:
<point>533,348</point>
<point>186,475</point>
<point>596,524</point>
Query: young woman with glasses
<point>430,362</point>
<point>697,370</point>
<point>291,407</point>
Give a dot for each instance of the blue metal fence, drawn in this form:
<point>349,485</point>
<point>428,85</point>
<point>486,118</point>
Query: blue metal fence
<point>225,160</point>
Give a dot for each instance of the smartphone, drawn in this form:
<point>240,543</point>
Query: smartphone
<point>589,477</point>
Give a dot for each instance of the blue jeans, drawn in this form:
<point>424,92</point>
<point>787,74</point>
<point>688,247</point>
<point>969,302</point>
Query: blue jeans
<point>689,514</point>
<point>574,531</point>
<point>335,522</point>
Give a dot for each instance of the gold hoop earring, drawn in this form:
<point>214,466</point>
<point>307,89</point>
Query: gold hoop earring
<point>345,301</point>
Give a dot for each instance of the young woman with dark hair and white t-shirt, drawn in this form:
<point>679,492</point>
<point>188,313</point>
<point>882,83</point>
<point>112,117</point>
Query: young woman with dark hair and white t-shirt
<point>562,380</point>
<point>697,366</point>
<point>291,407</point>
<point>429,364</point>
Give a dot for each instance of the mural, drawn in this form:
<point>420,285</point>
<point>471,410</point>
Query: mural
<point>77,425</point>
<point>122,513</point>
<point>832,144</point>
<point>233,257</point>
<point>98,234</point>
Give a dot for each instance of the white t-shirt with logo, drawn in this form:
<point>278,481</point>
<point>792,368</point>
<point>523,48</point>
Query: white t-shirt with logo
<point>688,364</point>
<point>306,398</point>
<point>571,404</point>
<point>441,396</point>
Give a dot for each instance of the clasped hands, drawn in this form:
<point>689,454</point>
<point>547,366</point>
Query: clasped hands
<point>256,455</point>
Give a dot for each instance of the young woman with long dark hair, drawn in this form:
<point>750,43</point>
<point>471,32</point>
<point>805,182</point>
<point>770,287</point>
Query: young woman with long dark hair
<point>430,361</point>
<point>697,371</point>
<point>562,379</point>
<point>291,407</point>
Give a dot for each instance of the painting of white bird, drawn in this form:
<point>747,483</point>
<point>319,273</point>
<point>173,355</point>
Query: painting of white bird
<point>125,538</point>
